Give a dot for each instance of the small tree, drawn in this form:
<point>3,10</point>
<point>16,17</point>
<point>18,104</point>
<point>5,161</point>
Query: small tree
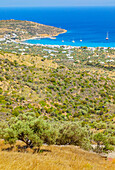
<point>29,129</point>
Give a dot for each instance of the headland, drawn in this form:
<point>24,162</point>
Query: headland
<point>22,30</point>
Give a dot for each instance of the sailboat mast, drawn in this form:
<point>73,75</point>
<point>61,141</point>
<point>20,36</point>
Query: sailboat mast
<point>107,36</point>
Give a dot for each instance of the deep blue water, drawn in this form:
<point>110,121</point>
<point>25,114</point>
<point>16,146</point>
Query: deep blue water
<point>90,24</point>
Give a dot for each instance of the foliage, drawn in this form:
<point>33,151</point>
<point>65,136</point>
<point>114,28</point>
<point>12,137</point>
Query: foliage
<point>72,133</point>
<point>101,140</point>
<point>35,131</point>
<point>29,129</point>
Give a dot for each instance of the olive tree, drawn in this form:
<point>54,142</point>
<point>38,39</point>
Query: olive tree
<point>28,128</point>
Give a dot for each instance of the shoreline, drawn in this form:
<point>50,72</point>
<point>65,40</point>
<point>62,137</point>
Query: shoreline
<point>43,36</point>
<point>56,45</point>
<point>54,37</point>
<point>27,30</point>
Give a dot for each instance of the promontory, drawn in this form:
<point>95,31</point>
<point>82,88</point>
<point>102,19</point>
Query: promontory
<point>21,30</point>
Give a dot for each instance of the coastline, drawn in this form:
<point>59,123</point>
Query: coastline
<point>26,30</point>
<point>55,45</point>
<point>43,36</point>
<point>76,25</point>
<point>58,45</point>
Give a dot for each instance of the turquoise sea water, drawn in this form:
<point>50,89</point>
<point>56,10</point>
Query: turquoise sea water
<point>90,24</point>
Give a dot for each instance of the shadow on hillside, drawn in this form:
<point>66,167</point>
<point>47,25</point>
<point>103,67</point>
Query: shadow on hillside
<point>41,150</point>
<point>21,148</point>
<point>24,148</point>
<point>8,149</point>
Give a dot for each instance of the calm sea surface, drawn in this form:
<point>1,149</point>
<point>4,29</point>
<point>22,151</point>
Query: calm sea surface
<point>89,24</point>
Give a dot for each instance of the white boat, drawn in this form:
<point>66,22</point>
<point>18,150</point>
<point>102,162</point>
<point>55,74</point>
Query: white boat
<point>107,36</point>
<point>62,40</point>
<point>73,41</point>
<point>81,40</point>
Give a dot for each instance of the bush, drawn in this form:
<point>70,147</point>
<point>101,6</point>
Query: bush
<point>1,91</point>
<point>73,133</point>
<point>107,141</point>
<point>99,138</point>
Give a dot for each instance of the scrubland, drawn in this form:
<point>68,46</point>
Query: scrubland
<point>62,90</point>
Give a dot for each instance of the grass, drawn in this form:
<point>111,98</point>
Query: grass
<point>52,158</point>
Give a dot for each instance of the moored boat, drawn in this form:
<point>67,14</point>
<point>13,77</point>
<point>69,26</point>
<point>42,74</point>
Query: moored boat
<point>107,36</point>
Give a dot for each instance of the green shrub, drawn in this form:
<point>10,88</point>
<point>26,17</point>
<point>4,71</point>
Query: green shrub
<point>73,133</point>
<point>1,91</point>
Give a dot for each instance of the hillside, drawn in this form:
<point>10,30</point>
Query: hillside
<point>57,92</point>
<point>50,158</point>
<point>20,30</point>
<point>72,89</point>
<point>41,87</point>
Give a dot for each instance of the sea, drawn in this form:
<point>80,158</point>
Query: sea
<point>89,24</point>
